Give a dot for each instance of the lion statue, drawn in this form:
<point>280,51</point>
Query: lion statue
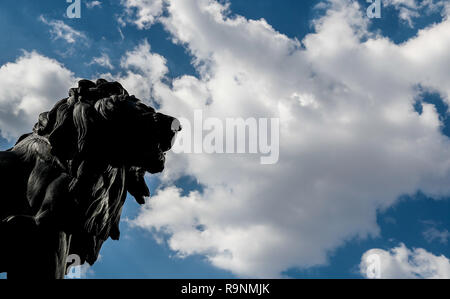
<point>64,185</point>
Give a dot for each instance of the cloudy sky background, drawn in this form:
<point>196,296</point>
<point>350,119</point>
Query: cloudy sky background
<point>364,139</point>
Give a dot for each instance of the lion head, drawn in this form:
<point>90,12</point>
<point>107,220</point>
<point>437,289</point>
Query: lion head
<point>102,122</point>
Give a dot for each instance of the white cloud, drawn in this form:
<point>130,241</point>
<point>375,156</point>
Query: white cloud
<point>431,234</point>
<point>92,4</point>
<point>30,85</point>
<point>143,13</point>
<point>60,30</point>
<point>351,142</point>
<point>102,60</point>
<point>402,263</point>
<point>143,70</point>
<point>410,9</point>
<point>141,61</point>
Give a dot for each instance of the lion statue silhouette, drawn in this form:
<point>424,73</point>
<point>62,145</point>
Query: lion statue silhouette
<point>63,186</point>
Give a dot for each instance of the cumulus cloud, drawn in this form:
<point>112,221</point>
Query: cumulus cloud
<point>142,61</point>
<point>30,85</point>
<point>60,30</point>
<point>403,263</point>
<point>351,141</point>
<point>143,13</point>
<point>141,71</point>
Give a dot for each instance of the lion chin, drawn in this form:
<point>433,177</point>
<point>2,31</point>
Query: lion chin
<point>155,163</point>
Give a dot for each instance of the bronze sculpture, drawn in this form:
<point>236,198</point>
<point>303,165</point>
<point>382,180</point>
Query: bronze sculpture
<point>64,184</point>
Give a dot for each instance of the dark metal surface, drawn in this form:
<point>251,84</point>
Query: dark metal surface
<point>64,185</point>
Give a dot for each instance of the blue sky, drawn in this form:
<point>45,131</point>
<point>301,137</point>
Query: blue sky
<point>138,254</point>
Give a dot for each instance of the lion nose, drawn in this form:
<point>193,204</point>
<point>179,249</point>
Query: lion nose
<point>167,121</point>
